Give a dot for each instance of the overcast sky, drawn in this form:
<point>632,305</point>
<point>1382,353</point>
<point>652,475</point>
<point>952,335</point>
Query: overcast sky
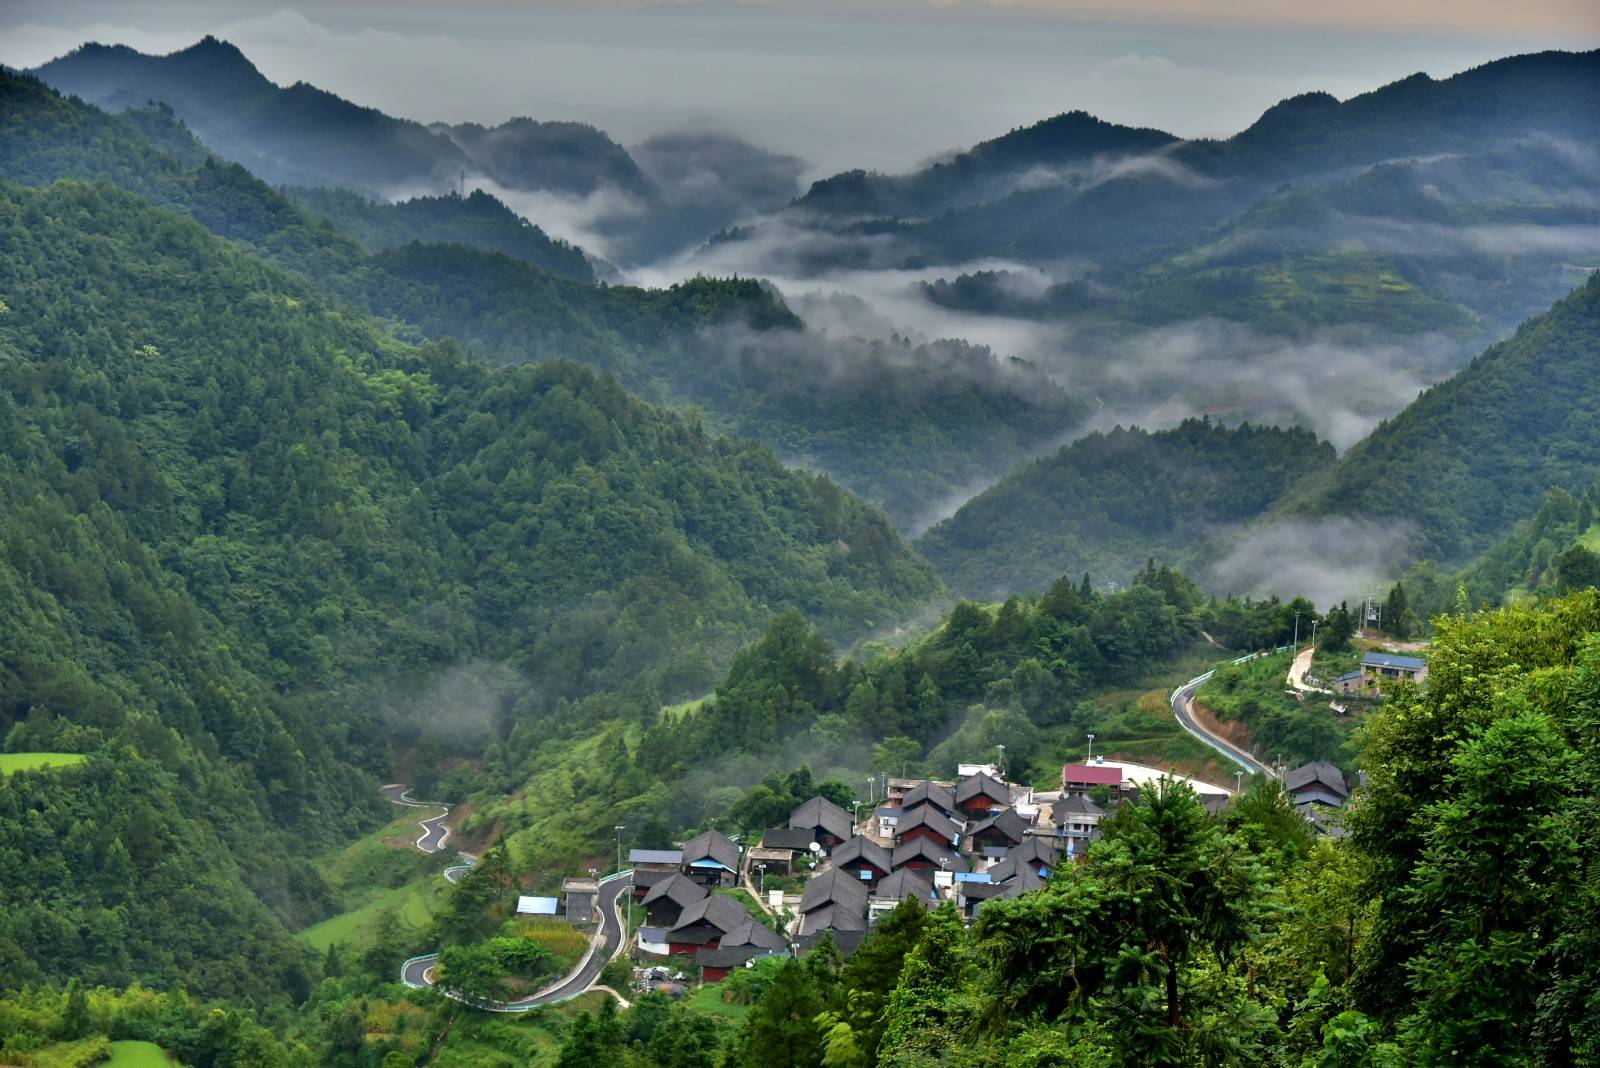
<point>875,83</point>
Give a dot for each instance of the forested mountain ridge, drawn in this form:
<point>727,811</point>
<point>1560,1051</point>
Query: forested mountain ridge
<point>878,418</point>
<point>244,530</point>
<point>1107,501</point>
<point>1470,457</point>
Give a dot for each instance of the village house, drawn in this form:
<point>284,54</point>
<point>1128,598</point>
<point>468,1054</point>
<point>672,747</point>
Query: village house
<point>1379,667</point>
<point>1079,780</point>
<point>933,794</point>
<point>666,900</point>
<point>826,822</point>
<point>926,822</point>
<point>863,858</point>
<point>1077,821</point>
<point>835,902</point>
<point>1318,783</point>
<point>711,859</point>
<point>925,854</point>
<point>651,866</point>
<point>979,796</point>
<point>580,894</point>
<point>900,886</point>
<point>720,934</point>
<point>1040,852</point>
<point>1004,829</point>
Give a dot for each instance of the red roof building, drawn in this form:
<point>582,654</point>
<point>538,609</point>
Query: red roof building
<point>1078,779</point>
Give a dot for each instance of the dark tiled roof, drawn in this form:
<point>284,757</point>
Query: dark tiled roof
<point>833,886</point>
<point>718,910</point>
<point>861,849</point>
<point>982,785</point>
<point>1005,822</point>
<point>651,878</point>
<point>796,839</point>
<point>715,846</point>
<point>929,817</point>
<point>1318,772</point>
<point>922,849</point>
<point>836,916</point>
<point>1070,809</point>
<point>821,813</point>
<point>903,884</point>
<point>1036,849</point>
<point>676,889</point>
<point>929,793</point>
<point>655,856</point>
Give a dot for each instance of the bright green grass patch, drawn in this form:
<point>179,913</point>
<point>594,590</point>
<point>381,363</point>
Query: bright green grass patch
<point>673,713</point>
<point>708,999</point>
<point>137,1055</point>
<point>12,762</point>
<point>416,903</point>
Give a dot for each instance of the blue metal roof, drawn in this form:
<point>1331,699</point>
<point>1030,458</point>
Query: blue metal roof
<point>1390,660</point>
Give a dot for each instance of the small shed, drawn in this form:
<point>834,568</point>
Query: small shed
<point>580,894</point>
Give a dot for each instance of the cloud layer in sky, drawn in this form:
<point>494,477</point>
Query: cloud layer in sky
<point>879,85</point>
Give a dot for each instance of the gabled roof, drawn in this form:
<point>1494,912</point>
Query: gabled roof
<point>922,849</point>
<point>982,785</point>
<point>861,849</point>
<point>1024,881</point>
<point>678,889</point>
<point>1070,809</point>
<point>1319,772</point>
<point>1005,822</point>
<point>928,792</point>
<point>929,817</point>
<point>752,932</point>
<point>819,812</point>
<point>794,839</point>
<point>1092,774</point>
<point>712,846</point>
<point>833,886</point>
<point>903,884</point>
<point>835,916</point>
<point>1036,849</point>
<point>1390,660</point>
<point>717,910</point>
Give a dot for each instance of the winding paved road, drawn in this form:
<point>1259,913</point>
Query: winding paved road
<point>1182,699</point>
<point>434,833</point>
<point>418,971</point>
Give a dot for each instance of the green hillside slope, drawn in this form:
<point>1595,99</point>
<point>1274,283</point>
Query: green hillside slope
<point>1106,502</point>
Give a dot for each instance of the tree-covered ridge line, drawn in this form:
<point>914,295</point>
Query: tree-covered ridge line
<point>1473,455</point>
<point>1107,501</point>
<point>247,531</point>
<point>902,427</point>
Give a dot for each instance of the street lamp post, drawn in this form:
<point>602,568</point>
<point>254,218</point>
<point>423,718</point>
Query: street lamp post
<point>1238,783</point>
<point>1000,759</point>
<point>619,828</point>
<point>1090,758</point>
<point>762,885</point>
<point>872,788</point>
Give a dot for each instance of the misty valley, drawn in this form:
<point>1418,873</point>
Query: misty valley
<point>479,590</point>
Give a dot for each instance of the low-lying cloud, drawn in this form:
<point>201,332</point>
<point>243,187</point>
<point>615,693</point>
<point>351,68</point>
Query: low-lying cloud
<point>1328,560</point>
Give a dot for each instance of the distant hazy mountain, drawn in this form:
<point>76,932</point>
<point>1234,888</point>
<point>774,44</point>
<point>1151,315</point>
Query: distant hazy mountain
<point>299,135</point>
<point>988,171</point>
<point>672,192</point>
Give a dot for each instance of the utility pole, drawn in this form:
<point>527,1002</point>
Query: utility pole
<point>1296,630</point>
<point>619,828</point>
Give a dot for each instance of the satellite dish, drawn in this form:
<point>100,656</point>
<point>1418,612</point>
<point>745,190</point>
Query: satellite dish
<point>815,847</point>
